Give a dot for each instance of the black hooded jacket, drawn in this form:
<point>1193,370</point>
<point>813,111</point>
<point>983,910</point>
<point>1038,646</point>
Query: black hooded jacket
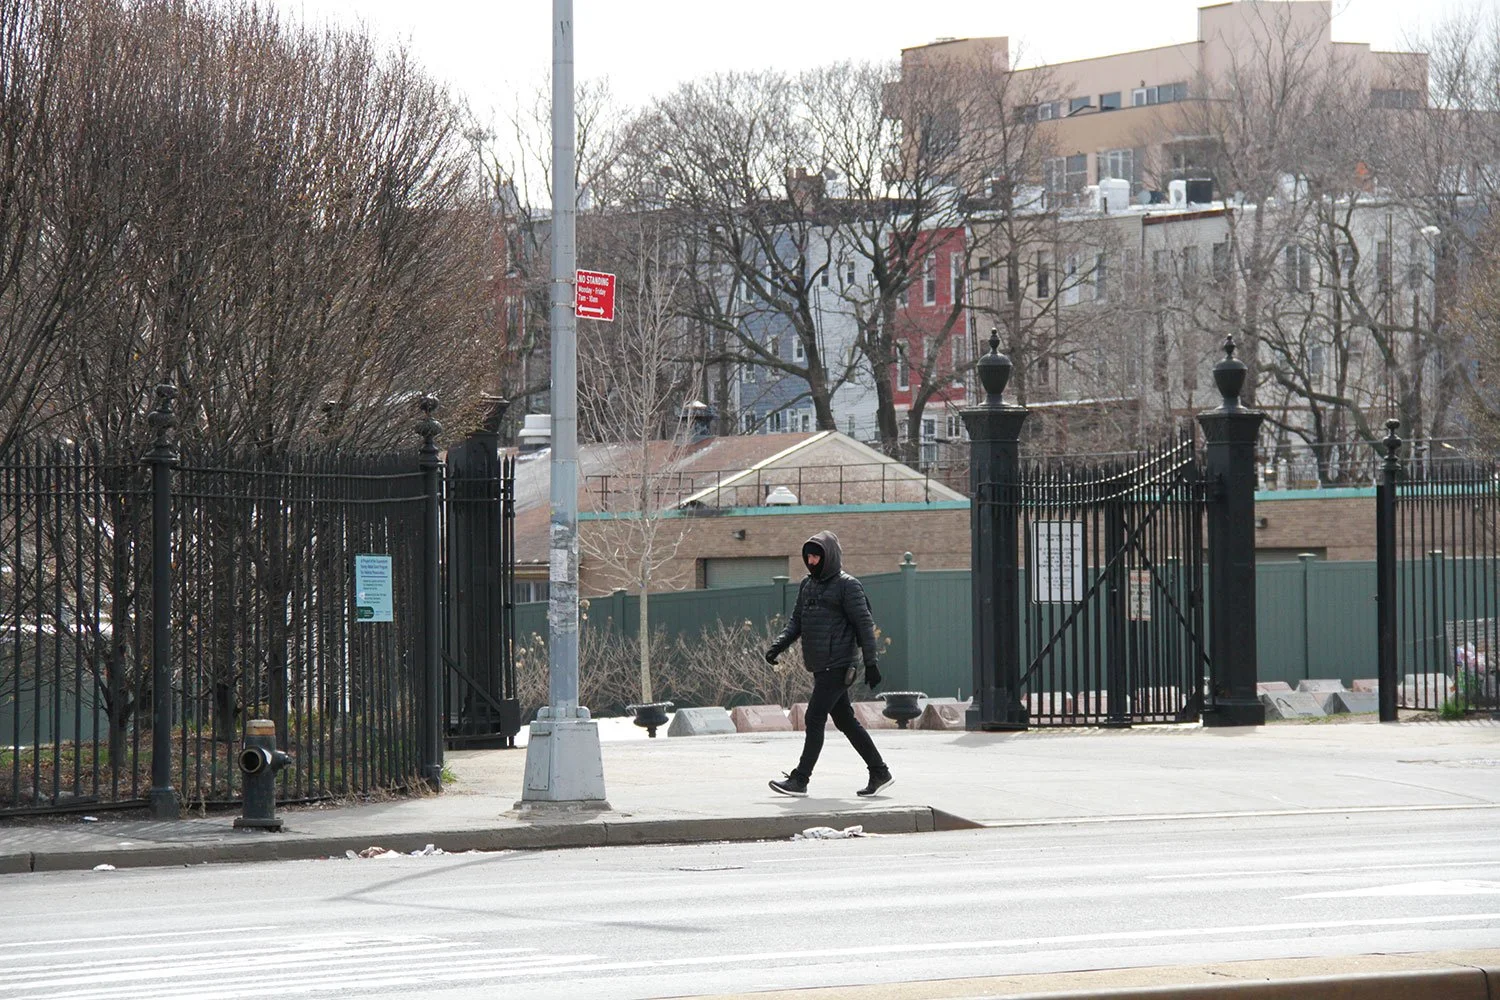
<point>832,616</point>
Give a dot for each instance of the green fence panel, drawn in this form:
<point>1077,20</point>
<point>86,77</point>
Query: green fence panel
<point>942,635</point>
<point>1342,639</point>
<point>1315,619</point>
<point>1281,622</point>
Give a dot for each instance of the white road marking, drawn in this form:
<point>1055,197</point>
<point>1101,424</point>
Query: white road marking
<point>1453,887</point>
<point>1319,870</point>
<point>136,937</point>
<point>350,980</point>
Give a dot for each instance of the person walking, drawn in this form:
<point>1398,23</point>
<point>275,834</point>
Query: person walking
<point>832,616</point>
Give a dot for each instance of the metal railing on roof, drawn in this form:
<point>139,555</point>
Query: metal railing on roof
<point>831,485</point>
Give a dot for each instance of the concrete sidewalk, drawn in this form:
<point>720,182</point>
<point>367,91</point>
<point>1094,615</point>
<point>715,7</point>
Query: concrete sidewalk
<point>714,788</point>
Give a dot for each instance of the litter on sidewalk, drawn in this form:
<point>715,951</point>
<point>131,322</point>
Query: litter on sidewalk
<point>829,833</point>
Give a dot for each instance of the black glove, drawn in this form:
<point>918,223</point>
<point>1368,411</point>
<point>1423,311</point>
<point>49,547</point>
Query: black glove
<point>872,675</point>
<point>771,655</point>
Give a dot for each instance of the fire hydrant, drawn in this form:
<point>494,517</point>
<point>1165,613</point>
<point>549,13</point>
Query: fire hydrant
<point>259,762</point>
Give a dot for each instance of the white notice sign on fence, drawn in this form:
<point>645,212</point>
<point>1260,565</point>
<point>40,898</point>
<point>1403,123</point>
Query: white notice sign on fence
<point>1056,568</point>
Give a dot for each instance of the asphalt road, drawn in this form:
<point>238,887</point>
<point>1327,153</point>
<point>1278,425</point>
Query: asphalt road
<point>687,921</point>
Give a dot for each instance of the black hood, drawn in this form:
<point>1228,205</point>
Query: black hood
<point>833,556</point>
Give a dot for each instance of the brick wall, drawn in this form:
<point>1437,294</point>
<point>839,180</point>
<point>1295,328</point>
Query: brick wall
<point>1343,525</point>
<point>1340,525</point>
<point>873,542</point>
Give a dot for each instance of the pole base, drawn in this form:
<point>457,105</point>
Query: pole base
<point>249,823</point>
<point>564,764</point>
<point>163,803</point>
<point>1234,713</point>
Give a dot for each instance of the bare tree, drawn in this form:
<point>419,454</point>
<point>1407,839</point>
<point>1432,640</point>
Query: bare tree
<point>632,403</point>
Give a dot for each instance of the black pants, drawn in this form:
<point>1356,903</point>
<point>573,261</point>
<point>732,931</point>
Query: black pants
<point>831,698</point>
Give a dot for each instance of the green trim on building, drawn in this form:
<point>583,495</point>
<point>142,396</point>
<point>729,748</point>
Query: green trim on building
<point>712,513</point>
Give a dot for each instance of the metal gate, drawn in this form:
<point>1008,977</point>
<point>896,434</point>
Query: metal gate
<point>1111,595</point>
<point>1438,549</point>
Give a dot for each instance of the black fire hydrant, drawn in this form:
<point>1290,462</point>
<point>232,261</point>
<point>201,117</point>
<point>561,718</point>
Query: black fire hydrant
<point>259,762</point>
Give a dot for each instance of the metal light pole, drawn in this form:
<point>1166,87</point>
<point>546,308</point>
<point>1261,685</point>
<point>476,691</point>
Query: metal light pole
<point>563,762</point>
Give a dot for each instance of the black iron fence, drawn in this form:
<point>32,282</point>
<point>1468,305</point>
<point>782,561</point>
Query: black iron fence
<point>1111,587</point>
<point>1438,550</point>
<point>149,610</point>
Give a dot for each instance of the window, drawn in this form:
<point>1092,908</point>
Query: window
<point>956,273</point>
<point>1101,278</point>
<point>1221,262</point>
<point>1297,269</point>
<point>849,276</point>
<point>1164,93</point>
<point>823,278</point>
<point>984,269</point>
<point>1046,112</point>
<point>1066,173</point>
<point>1159,353</point>
<point>929,428</point>
<point>1118,164</point>
<point>1043,277</point>
<point>1077,104</point>
<point>1069,286</point>
<point>1416,266</point>
<point>903,369</point>
<point>747,423</point>
<point>1346,266</point>
<point>960,357</point>
<point>849,425</point>
<point>1317,361</point>
<point>1189,266</point>
<point>774,347</point>
<point>1109,102</point>
<point>929,280</point>
<point>1397,99</point>
<point>1161,272</point>
<point>1383,266</point>
<point>776,422</point>
<point>804,421</point>
<point>955,427</point>
<point>1012,277</point>
<point>1192,358</point>
<point>799,349</point>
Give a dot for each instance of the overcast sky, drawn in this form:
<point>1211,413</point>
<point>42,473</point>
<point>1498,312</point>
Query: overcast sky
<point>488,50</point>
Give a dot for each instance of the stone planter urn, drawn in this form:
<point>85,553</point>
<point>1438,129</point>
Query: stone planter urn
<point>650,715</point>
<point>901,706</point>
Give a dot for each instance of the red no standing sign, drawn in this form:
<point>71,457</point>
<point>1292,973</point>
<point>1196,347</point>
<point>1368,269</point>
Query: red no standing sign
<point>595,296</point>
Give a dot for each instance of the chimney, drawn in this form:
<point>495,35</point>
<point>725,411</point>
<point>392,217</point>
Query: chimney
<point>699,417</point>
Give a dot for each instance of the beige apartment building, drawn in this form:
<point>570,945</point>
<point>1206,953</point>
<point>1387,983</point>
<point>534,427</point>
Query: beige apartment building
<point>1122,115</point>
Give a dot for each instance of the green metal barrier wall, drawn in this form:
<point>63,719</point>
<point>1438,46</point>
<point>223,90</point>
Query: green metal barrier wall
<point>1316,619</point>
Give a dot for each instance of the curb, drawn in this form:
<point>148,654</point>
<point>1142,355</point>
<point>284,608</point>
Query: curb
<point>1472,975</point>
<point>543,835</point>
<point>1436,984</point>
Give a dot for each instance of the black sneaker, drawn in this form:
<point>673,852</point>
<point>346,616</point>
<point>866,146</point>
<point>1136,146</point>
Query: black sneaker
<point>792,784</point>
<point>879,780</point>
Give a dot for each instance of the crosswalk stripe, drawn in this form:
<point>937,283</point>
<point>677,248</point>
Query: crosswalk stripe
<point>137,937</point>
<point>341,981</point>
<point>265,960</point>
<point>311,942</point>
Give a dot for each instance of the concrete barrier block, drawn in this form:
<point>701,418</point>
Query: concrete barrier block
<point>1271,687</point>
<point>942,715</point>
<point>1292,705</point>
<point>798,717</point>
<point>760,719</point>
<point>1050,703</point>
<point>1320,685</point>
<point>1341,702</point>
<point>868,714</point>
<point>1365,684</point>
<point>1429,691</point>
<point>701,722</point>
